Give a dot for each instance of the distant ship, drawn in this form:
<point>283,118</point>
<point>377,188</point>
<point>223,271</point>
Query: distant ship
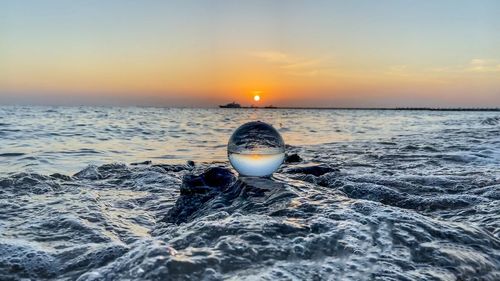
<point>231,105</point>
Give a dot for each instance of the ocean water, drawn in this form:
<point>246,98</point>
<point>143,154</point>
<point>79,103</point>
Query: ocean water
<point>96,193</point>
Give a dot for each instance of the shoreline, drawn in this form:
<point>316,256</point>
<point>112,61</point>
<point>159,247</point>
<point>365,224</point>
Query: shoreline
<point>374,108</point>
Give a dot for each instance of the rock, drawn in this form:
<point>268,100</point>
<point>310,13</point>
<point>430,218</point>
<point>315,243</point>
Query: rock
<point>311,169</point>
<point>218,176</point>
<point>255,187</point>
<point>173,168</point>
<point>293,158</point>
<point>89,173</point>
<point>214,177</point>
<point>147,162</point>
<point>61,177</point>
<point>198,189</point>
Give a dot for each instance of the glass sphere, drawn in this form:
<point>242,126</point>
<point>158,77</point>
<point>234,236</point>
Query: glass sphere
<point>256,149</point>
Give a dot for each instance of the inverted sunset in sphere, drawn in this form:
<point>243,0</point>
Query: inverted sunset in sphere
<point>256,149</point>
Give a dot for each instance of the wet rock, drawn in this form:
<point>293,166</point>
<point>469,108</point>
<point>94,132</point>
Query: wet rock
<point>89,173</point>
<point>26,261</point>
<point>251,188</point>
<point>6,182</point>
<point>173,168</point>
<point>147,162</point>
<point>152,179</point>
<point>85,258</point>
<point>61,177</point>
<point>24,183</point>
<point>217,189</point>
<point>440,202</point>
<point>293,158</point>
<point>147,261</point>
<point>190,163</point>
<point>311,169</point>
<point>117,170</point>
<point>198,189</point>
<point>373,192</point>
<point>389,196</point>
<point>212,179</point>
<point>218,177</point>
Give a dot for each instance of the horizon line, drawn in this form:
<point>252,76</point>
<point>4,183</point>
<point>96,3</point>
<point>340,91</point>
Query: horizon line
<point>395,108</point>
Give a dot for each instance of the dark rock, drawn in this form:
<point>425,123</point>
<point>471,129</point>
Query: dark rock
<point>196,190</point>
<point>147,162</point>
<point>311,169</point>
<point>293,158</point>
<point>6,182</point>
<point>25,183</point>
<point>373,192</point>
<point>61,177</point>
<point>218,176</point>
<point>218,188</point>
<point>212,177</point>
<point>190,163</point>
<point>173,168</point>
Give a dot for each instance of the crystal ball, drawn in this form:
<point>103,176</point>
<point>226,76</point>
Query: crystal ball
<point>256,149</point>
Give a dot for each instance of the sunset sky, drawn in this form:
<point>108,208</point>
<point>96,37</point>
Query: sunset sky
<point>294,53</point>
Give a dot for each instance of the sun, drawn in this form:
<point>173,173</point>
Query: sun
<point>256,98</point>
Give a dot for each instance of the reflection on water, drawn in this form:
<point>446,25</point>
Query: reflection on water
<point>256,165</point>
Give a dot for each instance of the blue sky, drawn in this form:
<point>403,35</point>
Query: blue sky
<point>334,53</point>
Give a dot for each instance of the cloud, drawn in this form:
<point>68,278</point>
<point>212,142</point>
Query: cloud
<point>274,57</point>
<point>294,65</point>
<point>398,70</point>
<point>483,65</point>
<point>476,65</point>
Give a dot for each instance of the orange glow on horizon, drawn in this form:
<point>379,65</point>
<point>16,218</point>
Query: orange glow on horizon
<point>256,95</point>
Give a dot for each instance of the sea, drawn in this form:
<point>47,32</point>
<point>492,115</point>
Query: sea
<point>145,193</point>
